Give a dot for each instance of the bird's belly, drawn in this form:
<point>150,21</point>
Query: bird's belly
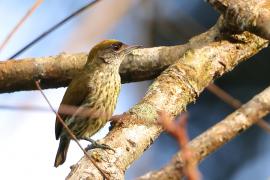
<point>102,101</point>
<point>94,125</point>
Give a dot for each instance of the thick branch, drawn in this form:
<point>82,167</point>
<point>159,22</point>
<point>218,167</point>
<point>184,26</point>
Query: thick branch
<point>177,86</point>
<point>216,136</point>
<point>57,71</point>
<point>250,15</point>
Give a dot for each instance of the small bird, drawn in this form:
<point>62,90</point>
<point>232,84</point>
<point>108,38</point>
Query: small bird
<point>95,88</point>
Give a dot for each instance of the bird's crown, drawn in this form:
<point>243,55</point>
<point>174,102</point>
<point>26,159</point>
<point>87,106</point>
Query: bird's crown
<point>107,44</point>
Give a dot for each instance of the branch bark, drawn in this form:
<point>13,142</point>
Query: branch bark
<point>235,103</point>
<point>144,64</point>
<point>177,86</point>
<point>57,71</point>
<point>216,136</point>
<point>245,15</point>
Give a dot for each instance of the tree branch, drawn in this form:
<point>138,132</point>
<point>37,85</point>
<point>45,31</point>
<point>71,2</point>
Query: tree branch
<point>216,136</point>
<point>235,103</point>
<point>144,64</point>
<point>249,15</point>
<point>57,71</point>
<point>177,86</point>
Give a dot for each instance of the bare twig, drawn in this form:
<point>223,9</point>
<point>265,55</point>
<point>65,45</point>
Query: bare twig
<point>235,103</point>
<point>24,108</point>
<point>70,132</point>
<point>50,30</point>
<point>216,136</point>
<point>65,109</point>
<point>20,23</point>
<point>178,130</point>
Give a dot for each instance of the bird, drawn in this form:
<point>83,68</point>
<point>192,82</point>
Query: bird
<point>96,87</point>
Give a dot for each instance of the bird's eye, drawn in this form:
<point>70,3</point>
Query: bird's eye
<point>116,46</point>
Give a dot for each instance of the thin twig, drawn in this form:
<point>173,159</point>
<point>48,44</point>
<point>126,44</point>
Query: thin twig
<point>24,108</point>
<point>178,130</point>
<point>64,109</point>
<point>20,23</point>
<point>53,28</point>
<point>235,103</point>
<point>69,131</point>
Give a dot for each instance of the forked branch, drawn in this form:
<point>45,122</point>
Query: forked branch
<point>177,86</point>
<point>216,136</point>
<point>245,15</point>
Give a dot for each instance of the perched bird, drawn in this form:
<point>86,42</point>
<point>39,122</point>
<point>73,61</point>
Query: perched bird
<point>96,88</point>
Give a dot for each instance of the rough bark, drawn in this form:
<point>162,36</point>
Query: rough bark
<point>177,86</point>
<point>57,71</point>
<point>249,15</point>
<point>216,136</point>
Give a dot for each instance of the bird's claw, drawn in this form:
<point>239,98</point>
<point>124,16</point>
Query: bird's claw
<point>95,145</point>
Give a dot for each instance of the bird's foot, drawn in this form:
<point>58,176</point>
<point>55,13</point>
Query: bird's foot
<point>94,144</point>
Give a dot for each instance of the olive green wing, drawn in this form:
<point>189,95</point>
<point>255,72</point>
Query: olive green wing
<point>75,94</point>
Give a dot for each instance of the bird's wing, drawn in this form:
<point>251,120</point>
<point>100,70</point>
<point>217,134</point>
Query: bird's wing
<point>75,94</point>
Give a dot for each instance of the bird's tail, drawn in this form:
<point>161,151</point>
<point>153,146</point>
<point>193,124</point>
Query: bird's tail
<point>62,151</point>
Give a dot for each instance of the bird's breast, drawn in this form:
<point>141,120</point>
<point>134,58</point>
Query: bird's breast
<point>104,89</point>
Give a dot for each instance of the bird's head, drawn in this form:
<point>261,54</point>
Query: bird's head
<point>109,52</point>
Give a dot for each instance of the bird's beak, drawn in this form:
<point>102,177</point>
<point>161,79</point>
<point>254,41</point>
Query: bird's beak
<point>127,49</point>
